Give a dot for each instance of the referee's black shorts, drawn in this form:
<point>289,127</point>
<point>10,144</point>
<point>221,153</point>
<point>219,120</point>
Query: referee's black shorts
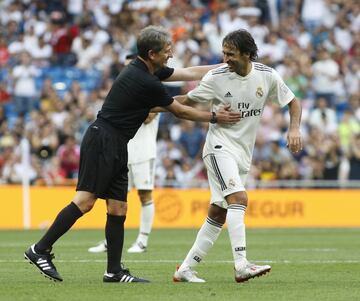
<point>103,162</point>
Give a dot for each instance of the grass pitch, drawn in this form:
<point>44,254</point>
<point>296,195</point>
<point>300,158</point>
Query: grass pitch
<point>307,264</point>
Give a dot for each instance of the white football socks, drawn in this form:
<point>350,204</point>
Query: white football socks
<point>146,221</point>
<point>236,227</point>
<point>205,239</point>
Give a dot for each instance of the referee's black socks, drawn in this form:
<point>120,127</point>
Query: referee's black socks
<point>114,233</point>
<point>63,222</point>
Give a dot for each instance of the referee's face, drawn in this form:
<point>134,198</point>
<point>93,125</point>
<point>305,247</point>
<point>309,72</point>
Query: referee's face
<point>161,58</point>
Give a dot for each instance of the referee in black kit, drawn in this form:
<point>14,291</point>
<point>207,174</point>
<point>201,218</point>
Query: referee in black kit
<point>103,158</point>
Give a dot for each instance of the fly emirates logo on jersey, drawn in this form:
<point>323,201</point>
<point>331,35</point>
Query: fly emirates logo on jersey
<point>245,111</point>
<point>244,107</point>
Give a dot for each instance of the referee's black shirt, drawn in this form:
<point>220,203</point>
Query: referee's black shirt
<point>134,93</point>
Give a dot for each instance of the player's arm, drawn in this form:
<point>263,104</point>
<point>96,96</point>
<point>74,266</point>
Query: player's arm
<point>150,117</point>
<point>191,73</point>
<point>185,100</point>
<point>224,116</point>
<point>294,141</point>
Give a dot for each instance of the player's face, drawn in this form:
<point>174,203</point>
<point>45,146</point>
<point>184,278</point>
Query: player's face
<point>235,60</point>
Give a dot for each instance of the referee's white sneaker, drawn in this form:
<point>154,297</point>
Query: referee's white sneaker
<point>137,247</point>
<point>99,248</point>
<point>186,275</point>
<point>248,270</point>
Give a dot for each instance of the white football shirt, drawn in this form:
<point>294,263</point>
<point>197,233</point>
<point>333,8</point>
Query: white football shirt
<point>246,94</point>
<point>143,146</point>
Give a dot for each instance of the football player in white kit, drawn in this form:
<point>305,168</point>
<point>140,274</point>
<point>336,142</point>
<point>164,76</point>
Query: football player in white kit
<point>141,164</point>
<point>245,86</point>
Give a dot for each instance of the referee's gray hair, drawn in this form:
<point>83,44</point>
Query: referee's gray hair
<point>152,38</point>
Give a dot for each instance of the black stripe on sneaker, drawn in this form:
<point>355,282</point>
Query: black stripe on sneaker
<point>217,172</point>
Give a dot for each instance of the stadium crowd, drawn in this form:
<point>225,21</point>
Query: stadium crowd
<point>59,58</point>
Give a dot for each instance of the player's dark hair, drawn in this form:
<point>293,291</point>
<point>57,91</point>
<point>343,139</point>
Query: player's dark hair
<point>152,38</point>
<point>243,41</point>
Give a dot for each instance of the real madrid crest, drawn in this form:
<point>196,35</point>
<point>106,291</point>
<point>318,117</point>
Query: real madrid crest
<point>259,92</point>
<point>232,183</point>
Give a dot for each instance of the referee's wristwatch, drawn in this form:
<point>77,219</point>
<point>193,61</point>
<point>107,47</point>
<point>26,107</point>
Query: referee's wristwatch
<point>213,118</point>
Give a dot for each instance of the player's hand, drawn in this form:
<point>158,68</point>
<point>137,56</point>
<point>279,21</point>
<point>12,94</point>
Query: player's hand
<point>294,141</point>
<point>226,116</point>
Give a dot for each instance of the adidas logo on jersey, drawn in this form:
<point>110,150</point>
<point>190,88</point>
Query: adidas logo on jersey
<point>228,94</point>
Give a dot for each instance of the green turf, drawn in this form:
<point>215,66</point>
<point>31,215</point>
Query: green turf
<point>307,264</point>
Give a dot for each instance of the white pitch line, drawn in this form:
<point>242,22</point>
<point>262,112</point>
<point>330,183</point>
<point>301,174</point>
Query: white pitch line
<point>207,262</point>
<point>312,250</point>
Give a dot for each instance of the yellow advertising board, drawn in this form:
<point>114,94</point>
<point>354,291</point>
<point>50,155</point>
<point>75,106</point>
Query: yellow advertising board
<point>188,208</point>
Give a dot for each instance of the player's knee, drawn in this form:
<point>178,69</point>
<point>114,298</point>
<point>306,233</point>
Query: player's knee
<point>239,197</point>
<point>217,214</point>
<point>85,205</point>
<point>145,196</point>
<point>84,200</point>
<point>117,208</point>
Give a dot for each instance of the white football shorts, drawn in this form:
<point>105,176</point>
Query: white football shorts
<point>142,175</point>
<point>224,176</point>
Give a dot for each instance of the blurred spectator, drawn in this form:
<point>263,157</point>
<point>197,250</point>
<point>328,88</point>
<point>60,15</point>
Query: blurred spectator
<point>347,128</point>
<point>75,95</point>
<point>186,173</point>
<point>354,158</point>
<point>352,77</point>
<point>4,52</point>
<point>53,174</point>
<point>289,171</point>
<point>59,114</point>
<point>314,13</point>
<point>4,94</point>
<point>214,35</point>
<point>278,154</point>
<point>41,52</point>
<point>323,117</point>
<point>326,73</point>
<point>354,104</point>
<point>165,174</point>
<point>61,39</point>
<point>332,156</point>
<point>274,49</point>
<point>45,141</point>
<point>267,170</point>
<point>14,170</point>
<point>191,139</point>
<point>69,155</point>
<point>86,51</point>
<point>25,92</point>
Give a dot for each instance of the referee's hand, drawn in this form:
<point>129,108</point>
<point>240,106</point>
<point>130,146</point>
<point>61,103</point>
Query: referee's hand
<point>226,116</point>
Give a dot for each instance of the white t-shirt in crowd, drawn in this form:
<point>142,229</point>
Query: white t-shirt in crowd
<point>25,80</point>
